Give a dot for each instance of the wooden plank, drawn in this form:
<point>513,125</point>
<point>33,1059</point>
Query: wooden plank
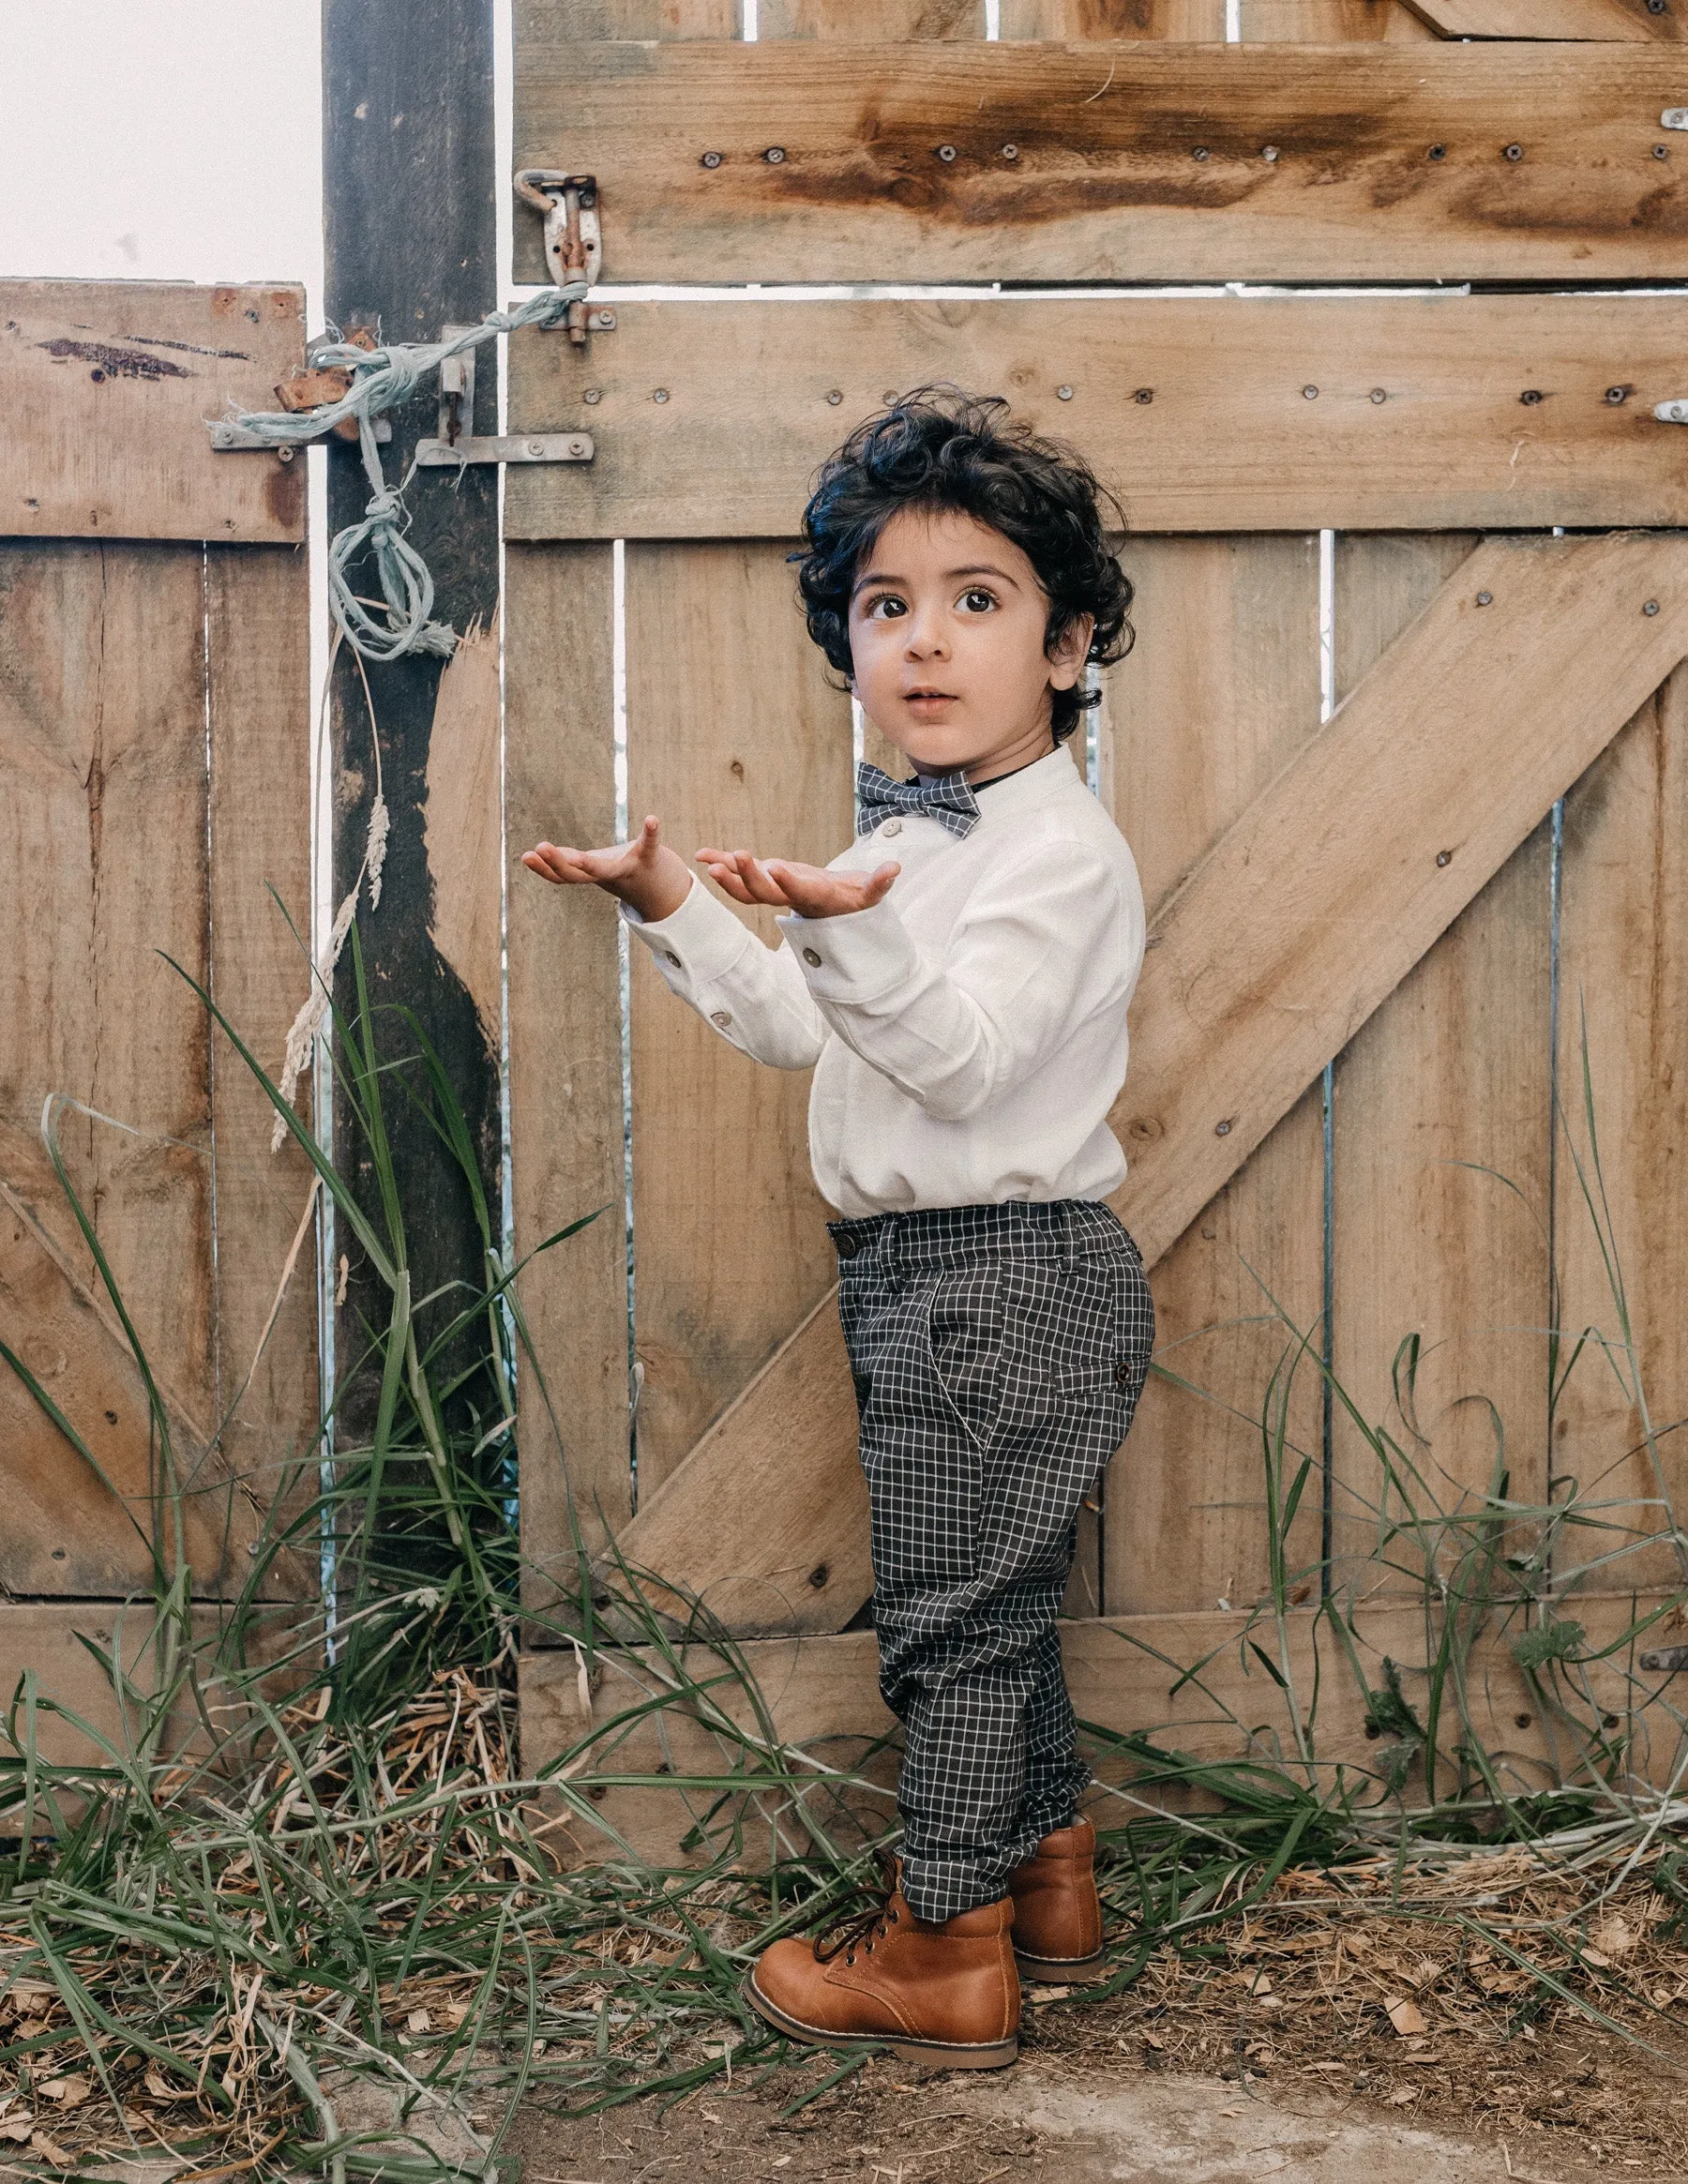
<point>1227,647</point>
<point>1229,440</point>
<point>729,1230</point>
<point>1145,163</point>
<point>1188,21</point>
<point>408,94</point>
<point>1334,22</point>
<point>1631,21</point>
<point>565,1056</point>
<point>102,742</point>
<point>876,18</point>
<point>258,611</point>
<point>1309,910</point>
<point>820,1695</point>
<point>109,385</point>
<point>1450,1076</point>
<point>1622,975</point>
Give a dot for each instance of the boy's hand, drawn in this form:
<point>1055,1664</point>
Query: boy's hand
<point>643,873</point>
<point>810,890</point>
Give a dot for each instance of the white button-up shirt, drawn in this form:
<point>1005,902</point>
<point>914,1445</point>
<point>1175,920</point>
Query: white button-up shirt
<point>967,1033</point>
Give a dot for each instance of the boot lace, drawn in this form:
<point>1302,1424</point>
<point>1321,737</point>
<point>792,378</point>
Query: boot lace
<point>867,1926</point>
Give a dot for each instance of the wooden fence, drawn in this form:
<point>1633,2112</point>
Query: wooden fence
<point>154,752</point>
<point>1379,939</point>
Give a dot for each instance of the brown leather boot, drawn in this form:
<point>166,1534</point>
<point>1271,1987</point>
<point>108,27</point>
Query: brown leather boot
<point>945,1994</point>
<point>1057,1911</point>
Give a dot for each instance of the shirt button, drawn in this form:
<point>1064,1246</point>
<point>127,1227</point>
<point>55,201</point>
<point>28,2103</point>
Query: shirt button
<point>721,1018</point>
<point>892,826</point>
<point>809,957</point>
<point>673,959</point>
<point>1121,1376</point>
<point>847,1247</point>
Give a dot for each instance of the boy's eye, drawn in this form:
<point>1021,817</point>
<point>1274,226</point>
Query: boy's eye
<point>887,606</point>
<point>978,601</point>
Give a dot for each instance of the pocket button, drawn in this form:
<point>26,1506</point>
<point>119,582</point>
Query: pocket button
<point>847,1247</point>
<point>1122,1375</point>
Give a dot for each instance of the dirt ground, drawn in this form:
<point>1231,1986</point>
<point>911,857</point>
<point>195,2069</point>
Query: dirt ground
<point>1091,2099</point>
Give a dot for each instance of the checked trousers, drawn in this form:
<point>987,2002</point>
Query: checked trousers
<point>998,1353</point>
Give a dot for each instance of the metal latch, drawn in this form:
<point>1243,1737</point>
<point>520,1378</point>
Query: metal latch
<point>574,238</point>
<point>457,442</point>
<point>237,439</point>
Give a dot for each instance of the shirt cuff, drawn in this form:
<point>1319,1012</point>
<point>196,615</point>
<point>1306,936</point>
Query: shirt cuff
<point>700,941</point>
<point>856,958</point>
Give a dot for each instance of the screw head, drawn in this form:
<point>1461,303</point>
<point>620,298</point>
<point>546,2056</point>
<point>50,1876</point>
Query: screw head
<point>1530,395</point>
<point>1222,1129</point>
<point>1269,153</point>
<point>1011,151</point>
<point>660,394</point>
<point>711,159</point>
<point>1513,152</point>
<point>284,455</point>
<point>606,322</point>
<point>1652,607</point>
<point>588,199</point>
<point>577,447</point>
<point>1438,151</point>
<point>593,396</point>
<point>1444,856</point>
<point>1658,7</point>
<point>1661,152</point>
<point>1380,395</point>
<point>1486,598</point>
<point>1144,394</point>
<point>1201,152</point>
<point>836,396</point>
<point>1063,394</point>
<point>96,375</point>
<point>1310,394</point>
<point>946,153</point>
<point>775,155</point>
<point>1616,395</point>
<point>535,448</point>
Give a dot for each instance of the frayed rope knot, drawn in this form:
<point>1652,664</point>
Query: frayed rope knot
<point>403,621</point>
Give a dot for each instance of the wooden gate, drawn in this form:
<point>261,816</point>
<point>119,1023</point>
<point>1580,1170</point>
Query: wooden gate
<point>153,753</point>
<point>1398,750</point>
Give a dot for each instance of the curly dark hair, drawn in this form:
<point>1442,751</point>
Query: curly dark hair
<point>938,447</point>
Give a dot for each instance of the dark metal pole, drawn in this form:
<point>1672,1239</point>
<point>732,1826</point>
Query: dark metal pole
<point>409,222</point>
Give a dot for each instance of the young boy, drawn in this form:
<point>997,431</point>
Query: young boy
<point>958,980</point>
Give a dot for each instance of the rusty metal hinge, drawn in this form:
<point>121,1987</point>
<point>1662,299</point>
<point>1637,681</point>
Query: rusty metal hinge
<point>573,237</point>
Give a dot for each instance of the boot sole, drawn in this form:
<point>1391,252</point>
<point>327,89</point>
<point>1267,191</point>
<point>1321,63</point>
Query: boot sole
<point>1055,1971</point>
<point>956,2055</point>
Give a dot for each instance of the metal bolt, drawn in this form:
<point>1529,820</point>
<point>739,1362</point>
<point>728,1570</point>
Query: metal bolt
<point>1269,153</point>
<point>593,396</point>
<point>1145,394</point>
<point>1661,152</point>
<point>1486,598</point>
<point>1616,395</point>
<point>1201,152</point>
<point>1438,151</point>
<point>284,455</point>
<point>1011,151</point>
<point>1063,394</point>
<point>1444,856</point>
<point>711,159</point>
<point>946,153</point>
<point>1530,395</point>
<point>1221,1129</point>
<point>1310,393</point>
<point>1514,151</point>
<point>775,155</point>
<point>836,396</point>
<point>1652,607</point>
<point>1378,395</point>
<point>535,448</point>
<point>660,396</point>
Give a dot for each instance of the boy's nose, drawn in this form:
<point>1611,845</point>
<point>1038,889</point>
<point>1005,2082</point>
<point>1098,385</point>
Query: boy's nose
<point>925,641</point>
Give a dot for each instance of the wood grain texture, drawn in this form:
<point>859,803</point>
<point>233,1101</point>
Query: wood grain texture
<point>1622,21</point>
<point>1450,1076</point>
<point>735,737</point>
<point>1307,912</point>
<point>1228,440</point>
<point>1334,22</point>
<point>102,742</point>
<point>109,384</point>
<point>890,20</point>
<point>461,825</point>
<point>566,1055</point>
<point>1146,163</point>
<point>258,698</point>
<point>1219,692</point>
<point>821,1694</point>
<point>1186,20</point>
<point>1622,976</point>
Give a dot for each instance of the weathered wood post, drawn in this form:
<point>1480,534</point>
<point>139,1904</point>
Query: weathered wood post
<point>409,227</point>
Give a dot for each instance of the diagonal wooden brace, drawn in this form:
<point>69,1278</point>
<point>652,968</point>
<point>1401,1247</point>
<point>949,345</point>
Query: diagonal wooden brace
<point>1261,968</point>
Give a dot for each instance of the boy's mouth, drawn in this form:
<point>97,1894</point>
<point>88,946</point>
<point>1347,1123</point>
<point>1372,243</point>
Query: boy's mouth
<point>928,697</point>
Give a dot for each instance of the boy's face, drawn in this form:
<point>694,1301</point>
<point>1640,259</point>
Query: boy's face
<point>946,639</point>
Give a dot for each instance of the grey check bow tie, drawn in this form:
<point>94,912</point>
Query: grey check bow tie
<point>948,800</point>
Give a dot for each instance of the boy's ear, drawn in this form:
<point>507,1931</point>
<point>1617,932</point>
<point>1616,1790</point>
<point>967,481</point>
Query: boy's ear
<point>1067,655</point>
